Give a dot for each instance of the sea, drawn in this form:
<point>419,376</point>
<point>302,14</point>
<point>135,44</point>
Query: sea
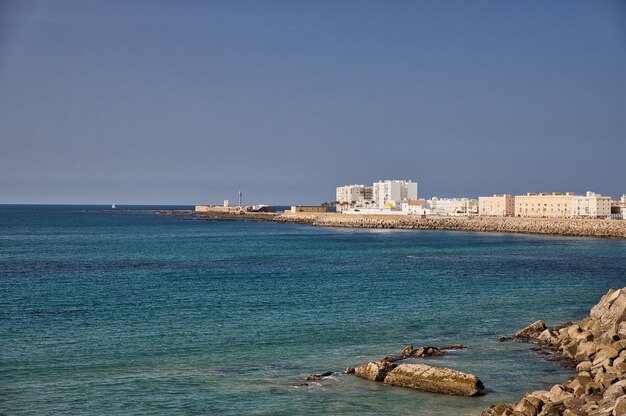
<point>134,313</point>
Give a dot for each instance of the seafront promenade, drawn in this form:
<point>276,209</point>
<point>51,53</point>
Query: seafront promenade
<point>544,226</point>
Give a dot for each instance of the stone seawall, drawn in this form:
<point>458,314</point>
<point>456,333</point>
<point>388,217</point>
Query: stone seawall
<point>545,226</point>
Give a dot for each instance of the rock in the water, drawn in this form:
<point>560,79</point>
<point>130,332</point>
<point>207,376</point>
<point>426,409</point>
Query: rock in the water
<point>452,347</point>
<point>434,379</point>
<point>313,377</point>
<point>408,351</point>
<point>349,370</point>
<point>375,371</point>
<point>531,331</point>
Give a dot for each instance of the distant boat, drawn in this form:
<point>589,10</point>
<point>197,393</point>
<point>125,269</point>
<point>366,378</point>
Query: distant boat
<point>113,206</point>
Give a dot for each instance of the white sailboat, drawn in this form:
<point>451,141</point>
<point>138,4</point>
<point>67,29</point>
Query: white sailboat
<point>113,206</point>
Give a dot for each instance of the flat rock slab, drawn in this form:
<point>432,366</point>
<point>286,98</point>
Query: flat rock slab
<point>434,380</point>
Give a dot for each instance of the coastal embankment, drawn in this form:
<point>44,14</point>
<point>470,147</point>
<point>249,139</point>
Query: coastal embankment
<point>545,226</point>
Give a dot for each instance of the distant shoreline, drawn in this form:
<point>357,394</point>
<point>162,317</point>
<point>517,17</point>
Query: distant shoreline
<point>596,228</point>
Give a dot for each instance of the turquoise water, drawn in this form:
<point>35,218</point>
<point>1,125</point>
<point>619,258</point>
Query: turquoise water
<point>134,313</point>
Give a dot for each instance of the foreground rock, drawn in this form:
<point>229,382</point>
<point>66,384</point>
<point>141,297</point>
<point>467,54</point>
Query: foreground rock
<point>434,380</point>
<point>598,345</point>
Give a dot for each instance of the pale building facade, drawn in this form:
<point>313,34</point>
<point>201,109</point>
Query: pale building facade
<point>544,205</point>
<point>415,207</point>
<point>390,194</point>
<point>592,205</point>
<point>353,196</point>
<point>496,206</point>
<point>453,206</point>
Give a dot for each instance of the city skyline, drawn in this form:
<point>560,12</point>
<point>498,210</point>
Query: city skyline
<point>169,103</point>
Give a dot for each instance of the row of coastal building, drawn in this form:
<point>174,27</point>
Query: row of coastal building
<point>400,197</point>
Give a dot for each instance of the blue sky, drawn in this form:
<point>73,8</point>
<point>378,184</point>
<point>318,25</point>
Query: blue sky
<point>182,102</point>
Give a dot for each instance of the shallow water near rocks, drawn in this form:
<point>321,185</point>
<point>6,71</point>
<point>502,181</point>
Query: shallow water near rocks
<point>124,313</point>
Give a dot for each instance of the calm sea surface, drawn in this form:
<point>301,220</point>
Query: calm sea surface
<point>134,313</point>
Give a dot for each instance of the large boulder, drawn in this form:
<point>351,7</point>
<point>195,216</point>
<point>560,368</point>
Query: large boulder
<point>375,371</point>
<point>531,331</point>
<point>611,308</point>
<point>434,379</point>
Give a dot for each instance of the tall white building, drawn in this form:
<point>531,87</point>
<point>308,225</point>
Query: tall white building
<point>392,193</point>
<point>591,205</point>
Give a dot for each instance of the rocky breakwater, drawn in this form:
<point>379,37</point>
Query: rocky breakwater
<point>598,345</point>
<point>546,226</point>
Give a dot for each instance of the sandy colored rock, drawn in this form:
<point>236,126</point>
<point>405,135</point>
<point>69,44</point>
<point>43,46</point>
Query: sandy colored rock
<point>531,331</point>
<point>500,409</point>
<point>605,353</point>
<point>620,407</point>
<point>529,406</point>
<point>584,366</point>
<point>585,350</point>
<point>434,379</point>
<point>375,371</point>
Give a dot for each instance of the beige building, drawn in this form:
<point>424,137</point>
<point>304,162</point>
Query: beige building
<point>544,205</point>
<point>591,205</point>
<point>496,206</point>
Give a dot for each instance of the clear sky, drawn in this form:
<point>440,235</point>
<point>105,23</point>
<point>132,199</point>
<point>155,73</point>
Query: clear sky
<point>182,102</point>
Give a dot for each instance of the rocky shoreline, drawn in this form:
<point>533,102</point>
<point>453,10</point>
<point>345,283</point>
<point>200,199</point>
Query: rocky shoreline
<point>597,346</point>
<point>541,226</point>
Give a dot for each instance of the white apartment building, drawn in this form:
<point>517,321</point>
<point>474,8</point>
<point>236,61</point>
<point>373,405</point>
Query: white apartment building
<point>353,196</point>
<point>391,193</point>
<point>496,206</point>
<point>592,205</point>
<point>453,206</point>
